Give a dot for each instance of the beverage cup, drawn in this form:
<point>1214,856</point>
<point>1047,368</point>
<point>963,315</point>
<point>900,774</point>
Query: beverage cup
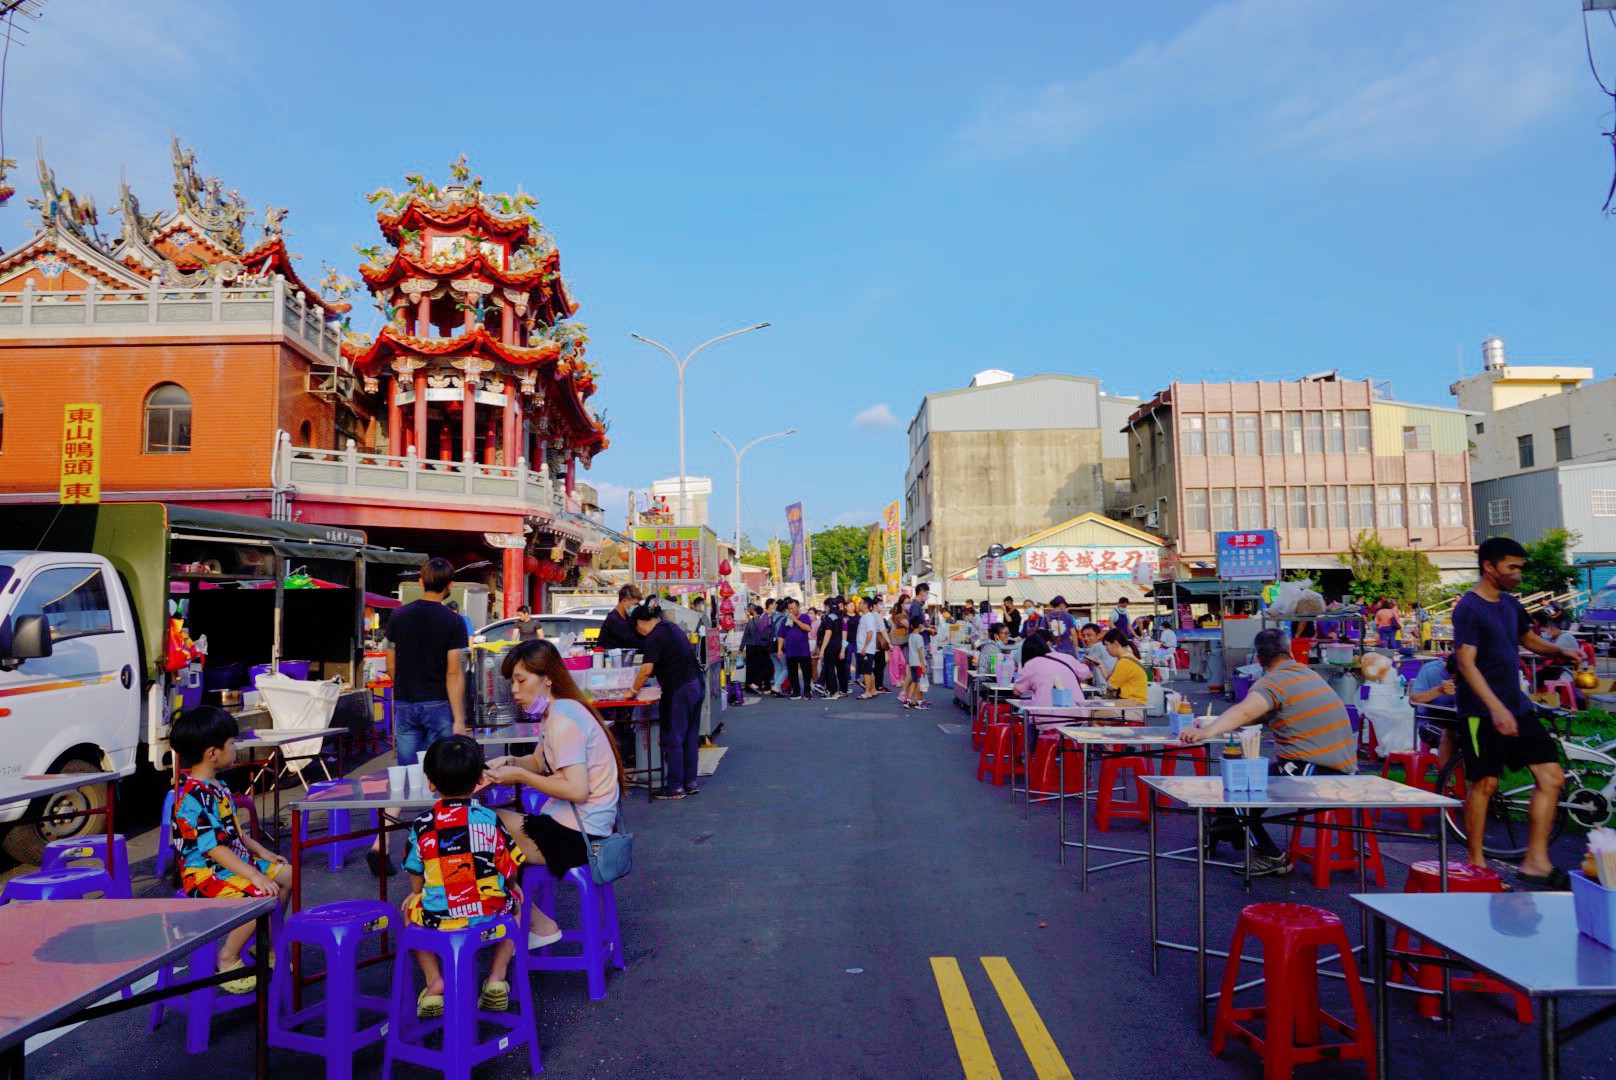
<point>417,779</point>
<point>397,777</point>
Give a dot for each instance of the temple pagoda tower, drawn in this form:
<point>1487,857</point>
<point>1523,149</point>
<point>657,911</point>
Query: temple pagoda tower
<point>480,359</point>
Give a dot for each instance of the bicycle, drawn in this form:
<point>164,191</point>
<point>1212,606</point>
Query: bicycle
<point>1587,798</point>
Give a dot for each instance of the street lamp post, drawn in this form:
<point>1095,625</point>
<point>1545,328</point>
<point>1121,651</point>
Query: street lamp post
<point>738,454</point>
<point>684,509</point>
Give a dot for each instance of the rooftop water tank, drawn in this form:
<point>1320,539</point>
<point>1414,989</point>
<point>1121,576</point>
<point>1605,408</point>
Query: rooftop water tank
<point>990,376</point>
<point>1492,354</point>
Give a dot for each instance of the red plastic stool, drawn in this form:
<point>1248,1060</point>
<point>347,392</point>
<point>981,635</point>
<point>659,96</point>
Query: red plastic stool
<point>989,713</point>
<point>1198,756</point>
<point>1046,779</point>
<point>1002,754</point>
<point>1419,771</point>
<point>1423,877</point>
<point>1330,849</point>
<point>1291,936</point>
<point>1110,806</point>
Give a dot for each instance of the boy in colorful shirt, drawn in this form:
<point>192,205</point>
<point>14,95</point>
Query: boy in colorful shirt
<point>215,860</point>
<point>462,866</point>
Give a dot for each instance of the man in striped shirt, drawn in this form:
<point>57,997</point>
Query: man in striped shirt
<point>1312,733</point>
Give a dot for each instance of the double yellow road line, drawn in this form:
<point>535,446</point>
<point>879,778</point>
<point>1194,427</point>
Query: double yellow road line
<point>976,1056</point>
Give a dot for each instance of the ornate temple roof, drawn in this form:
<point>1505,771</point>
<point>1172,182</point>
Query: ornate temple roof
<point>202,238</point>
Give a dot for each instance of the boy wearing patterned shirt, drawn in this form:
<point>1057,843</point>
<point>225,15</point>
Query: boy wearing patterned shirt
<point>462,866</point>
<point>215,860</point>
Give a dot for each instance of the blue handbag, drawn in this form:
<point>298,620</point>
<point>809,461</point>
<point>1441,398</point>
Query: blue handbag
<point>610,857</point>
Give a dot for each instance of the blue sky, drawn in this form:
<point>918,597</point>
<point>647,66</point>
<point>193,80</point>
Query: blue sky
<point>910,192</point>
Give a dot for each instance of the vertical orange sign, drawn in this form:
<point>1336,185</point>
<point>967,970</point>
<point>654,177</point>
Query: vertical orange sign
<point>81,454</point>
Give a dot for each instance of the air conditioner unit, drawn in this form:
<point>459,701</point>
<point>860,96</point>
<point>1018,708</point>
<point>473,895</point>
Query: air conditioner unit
<point>1151,519</point>
<point>1138,510</point>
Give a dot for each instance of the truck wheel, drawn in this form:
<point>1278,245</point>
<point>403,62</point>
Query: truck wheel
<point>26,843</point>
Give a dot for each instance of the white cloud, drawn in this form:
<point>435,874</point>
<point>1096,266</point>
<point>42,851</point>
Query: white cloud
<point>1310,79</point>
<point>613,500</point>
<point>876,418</point>
<point>855,517</point>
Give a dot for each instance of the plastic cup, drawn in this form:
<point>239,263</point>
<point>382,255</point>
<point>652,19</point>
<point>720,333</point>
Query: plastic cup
<point>397,777</point>
<point>417,778</point>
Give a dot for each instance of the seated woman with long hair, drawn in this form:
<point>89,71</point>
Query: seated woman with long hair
<point>1042,667</point>
<point>575,764</point>
<point>1128,679</point>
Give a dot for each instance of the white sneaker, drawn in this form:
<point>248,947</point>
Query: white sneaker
<point>539,941</point>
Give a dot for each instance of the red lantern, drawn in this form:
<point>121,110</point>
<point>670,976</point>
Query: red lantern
<point>724,567</point>
<point>726,623</point>
<point>726,606</point>
<point>725,589</point>
<point>531,565</point>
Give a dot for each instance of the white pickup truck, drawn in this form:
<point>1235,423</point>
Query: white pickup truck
<point>70,685</point>
<point>84,612</point>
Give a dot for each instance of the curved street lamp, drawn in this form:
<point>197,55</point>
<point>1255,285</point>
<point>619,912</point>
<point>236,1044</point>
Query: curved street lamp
<point>738,454</point>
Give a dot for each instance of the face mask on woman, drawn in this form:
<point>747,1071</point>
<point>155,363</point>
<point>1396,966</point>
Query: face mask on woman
<point>541,705</point>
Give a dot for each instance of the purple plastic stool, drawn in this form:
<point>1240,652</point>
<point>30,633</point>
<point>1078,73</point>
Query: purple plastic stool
<point>338,929</point>
<point>601,936</point>
<point>199,1007</point>
<point>60,853</point>
<point>337,823</point>
<point>457,950</point>
<point>165,852</point>
<point>68,883</point>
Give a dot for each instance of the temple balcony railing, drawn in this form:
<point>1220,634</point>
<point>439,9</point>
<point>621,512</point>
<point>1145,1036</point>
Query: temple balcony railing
<point>422,482</point>
<point>217,309</point>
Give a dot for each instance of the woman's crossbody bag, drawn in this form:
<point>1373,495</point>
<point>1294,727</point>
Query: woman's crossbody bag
<point>610,857</point>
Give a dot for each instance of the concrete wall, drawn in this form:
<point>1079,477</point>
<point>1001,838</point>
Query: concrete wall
<point>996,486</point>
<point>1587,409</point>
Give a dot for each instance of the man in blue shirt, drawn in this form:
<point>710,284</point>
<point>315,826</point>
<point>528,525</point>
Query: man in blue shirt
<point>1434,685</point>
<point>1497,726</point>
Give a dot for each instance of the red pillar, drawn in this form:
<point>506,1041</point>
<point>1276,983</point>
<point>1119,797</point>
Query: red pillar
<point>395,419</point>
<point>420,413</point>
<point>468,421</point>
<point>423,317</point>
<point>515,580</point>
<point>508,433</point>
<point>572,473</point>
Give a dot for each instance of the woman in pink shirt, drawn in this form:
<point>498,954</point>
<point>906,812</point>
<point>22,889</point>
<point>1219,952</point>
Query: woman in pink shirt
<point>1042,667</point>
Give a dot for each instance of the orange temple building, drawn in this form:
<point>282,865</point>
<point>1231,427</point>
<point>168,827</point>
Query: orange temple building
<point>226,381</point>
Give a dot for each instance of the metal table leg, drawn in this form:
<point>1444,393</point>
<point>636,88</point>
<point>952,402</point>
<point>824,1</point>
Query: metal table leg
<point>1200,915</point>
<point>261,991</point>
<point>1061,809</point>
<point>1085,782</point>
<point>1155,934</point>
<point>1548,1035</point>
<point>1381,1019</point>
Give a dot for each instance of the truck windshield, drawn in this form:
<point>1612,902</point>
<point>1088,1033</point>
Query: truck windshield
<point>1604,599</point>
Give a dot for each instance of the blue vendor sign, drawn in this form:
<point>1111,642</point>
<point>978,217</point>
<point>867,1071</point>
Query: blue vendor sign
<point>1248,555</point>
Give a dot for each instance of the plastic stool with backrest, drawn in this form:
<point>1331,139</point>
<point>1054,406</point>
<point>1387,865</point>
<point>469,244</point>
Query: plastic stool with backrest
<point>62,853</point>
<point>1419,771</point>
<point>1330,849</point>
<point>67,883</point>
<point>1291,936</point>
<point>1565,689</point>
<point>199,1007</point>
<point>987,715</point>
<point>338,929</point>
<point>1110,806</point>
<point>1425,877</point>
<point>459,1050</point>
<point>1001,758</point>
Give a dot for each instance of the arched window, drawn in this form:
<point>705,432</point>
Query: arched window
<point>168,420</point>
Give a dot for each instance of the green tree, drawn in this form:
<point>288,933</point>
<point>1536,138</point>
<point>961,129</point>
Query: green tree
<point>1408,577</point>
<point>1548,563</point>
<point>844,549</point>
<point>755,556</point>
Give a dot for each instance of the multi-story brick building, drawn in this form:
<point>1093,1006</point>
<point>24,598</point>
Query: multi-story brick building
<point>1319,459</point>
<point>227,382</point>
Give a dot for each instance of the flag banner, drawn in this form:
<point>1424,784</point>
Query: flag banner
<point>891,557</point>
<point>81,454</point>
<point>797,565</point>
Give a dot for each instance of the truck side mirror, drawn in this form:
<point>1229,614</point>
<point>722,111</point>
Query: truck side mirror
<point>28,639</point>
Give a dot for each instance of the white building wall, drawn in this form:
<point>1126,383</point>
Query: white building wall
<point>1590,410</point>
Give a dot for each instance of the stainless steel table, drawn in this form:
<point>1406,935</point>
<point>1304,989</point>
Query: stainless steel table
<point>25,789</point>
<point>63,957</point>
<point>1526,939</point>
<point>1300,795</point>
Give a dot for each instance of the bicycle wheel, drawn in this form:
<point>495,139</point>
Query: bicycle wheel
<point>1506,824</point>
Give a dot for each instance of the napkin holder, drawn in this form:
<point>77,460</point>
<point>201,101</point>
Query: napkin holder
<point>1595,907</point>
<point>1244,776</point>
<point>1060,697</point>
<point>1178,723</point>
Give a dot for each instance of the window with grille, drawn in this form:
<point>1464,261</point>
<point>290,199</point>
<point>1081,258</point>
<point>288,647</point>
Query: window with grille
<point>1604,502</point>
<point>1417,437</point>
<point>1498,512</point>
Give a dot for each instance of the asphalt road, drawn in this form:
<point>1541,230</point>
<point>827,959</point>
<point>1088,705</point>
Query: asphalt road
<point>804,914</point>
